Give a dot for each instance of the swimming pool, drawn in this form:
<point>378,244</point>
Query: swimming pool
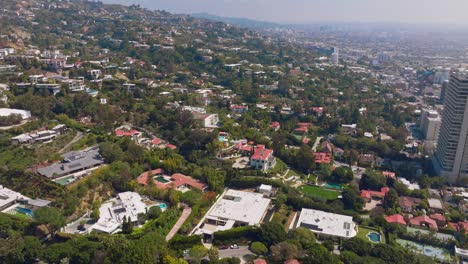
<point>333,186</point>
<point>163,206</point>
<point>161,179</point>
<point>65,181</point>
<point>374,237</point>
<point>222,138</point>
<point>25,211</point>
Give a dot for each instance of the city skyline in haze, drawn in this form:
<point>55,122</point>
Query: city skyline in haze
<point>310,11</point>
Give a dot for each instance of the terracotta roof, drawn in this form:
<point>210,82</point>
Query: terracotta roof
<point>369,194</point>
<point>143,178</point>
<point>275,125</point>
<point>396,218</point>
<point>459,226</point>
<point>170,146</point>
<point>177,180</point>
<point>261,153</point>
<point>125,133</point>
<point>438,217</point>
<point>260,261</point>
<point>424,220</point>
<point>322,157</point>
<point>156,141</point>
<point>389,174</point>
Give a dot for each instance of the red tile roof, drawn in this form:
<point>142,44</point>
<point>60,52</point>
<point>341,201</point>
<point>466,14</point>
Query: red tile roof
<point>438,217</point>
<point>178,180</point>
<point>260,261</point>
<point>423,220</point>
<point>389,174</point>
<point>125,133</point>
<point>170,146</point>
<point>317,110</point>
<point>322,157</point>
<point>459,226</point>
<point>369,194</point>
<point>156,141</point>
<point>143,178</point>
<point>275,125</point>
<point>261,153</point>
<point>396,218</point>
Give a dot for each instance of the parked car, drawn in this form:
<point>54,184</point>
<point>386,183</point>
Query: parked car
<point>234,246</point>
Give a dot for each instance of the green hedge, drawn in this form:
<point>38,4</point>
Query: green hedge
<point>238,233</point>
<point>179,242</point>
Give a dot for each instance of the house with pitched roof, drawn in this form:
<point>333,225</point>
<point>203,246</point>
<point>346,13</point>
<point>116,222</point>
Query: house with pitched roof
<point>423,221</point>
<point>177,181</point>
<point>262,158</point>
<point>395,219</point>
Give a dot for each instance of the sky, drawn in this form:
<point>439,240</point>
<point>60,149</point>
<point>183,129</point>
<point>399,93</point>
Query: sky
<point>304,11</point>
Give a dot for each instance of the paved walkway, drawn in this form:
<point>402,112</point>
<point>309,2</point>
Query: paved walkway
<point>316,143</point>
<point>78,136</point>
<point>185,214</point>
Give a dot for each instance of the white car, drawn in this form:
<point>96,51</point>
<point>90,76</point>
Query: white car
<point>235,246</point>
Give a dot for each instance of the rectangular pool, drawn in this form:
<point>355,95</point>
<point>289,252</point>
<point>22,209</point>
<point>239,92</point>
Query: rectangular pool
<point>161,179</point>
<point>64,181</point>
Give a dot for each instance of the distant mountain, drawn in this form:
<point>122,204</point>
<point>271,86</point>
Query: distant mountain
<point>241,22</point>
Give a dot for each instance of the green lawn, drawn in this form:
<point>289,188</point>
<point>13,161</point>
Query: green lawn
<point>364,231</point>
<point>319,192</point>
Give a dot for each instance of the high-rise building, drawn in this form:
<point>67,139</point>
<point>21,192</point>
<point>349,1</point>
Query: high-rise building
<point>430,124</point>
<point>451,156</point>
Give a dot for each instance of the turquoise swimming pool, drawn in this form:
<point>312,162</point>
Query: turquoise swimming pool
<point>333,186</point>
<point>222,138</point>
<point>163,206</point>
<point>25,211</point>
<point>374,237</point>
<point>65,181</point>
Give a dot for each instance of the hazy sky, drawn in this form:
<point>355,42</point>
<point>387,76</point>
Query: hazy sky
<point>299,11</point>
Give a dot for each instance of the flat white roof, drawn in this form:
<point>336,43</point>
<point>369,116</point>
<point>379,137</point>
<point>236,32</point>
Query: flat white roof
<point>112,212</point>
<point>8,111</point>
<point>327,223</point>
<point>435,203</point>
<point>7,196</point>
<point>246,207</point>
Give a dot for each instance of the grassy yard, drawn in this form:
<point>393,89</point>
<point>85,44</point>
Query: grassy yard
<point>319,192</point>
<point>282,215</point>
<point>363,231</point>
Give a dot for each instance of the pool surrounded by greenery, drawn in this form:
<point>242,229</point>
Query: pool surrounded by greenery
<point>334,186</point>
<point>370,234</point>
<point>24,211</point>
<point>374,237</point>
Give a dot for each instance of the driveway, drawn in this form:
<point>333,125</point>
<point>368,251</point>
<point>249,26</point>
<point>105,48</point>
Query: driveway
<point>238,253</point>
<point>78,136</point>
<point>185,214</point>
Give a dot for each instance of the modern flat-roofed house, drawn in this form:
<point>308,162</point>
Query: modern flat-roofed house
<point>9,198</point>
<point>39,136</point>
<point>8,112</point>
<point>206,120</point>
<point>73,162</point>
<point>328,224</point>
<point>127,205</point>
<point>235,208</point>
